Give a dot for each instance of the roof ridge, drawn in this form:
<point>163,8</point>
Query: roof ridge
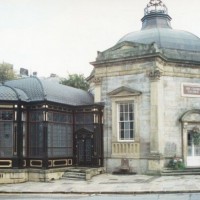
<point>40,82</point>
<point>15,91</point>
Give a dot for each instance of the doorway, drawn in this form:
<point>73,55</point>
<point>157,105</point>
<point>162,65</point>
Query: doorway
<point>193,151</point>
<point>84,148</point>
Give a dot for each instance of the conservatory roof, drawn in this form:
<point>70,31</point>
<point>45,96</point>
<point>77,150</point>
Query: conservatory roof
<point>33,89</point>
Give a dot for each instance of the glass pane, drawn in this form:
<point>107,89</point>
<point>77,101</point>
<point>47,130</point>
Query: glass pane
<point>56,117</point>
<point>6,115</point>
<point>50,116</point>
<point>122,134</point>
<point>36,139</point>
<point>6,139</point>
<point>131,108</point>
<point>131,125</point>
<point>127,127</point>
<point>63,118</point>
<point>126,136</point>
<point>89,119</point>
<point>69,118</point>
<point>79,118</point>
<point>197,151</point>
<point>189,151</point>
<point>36,116</point>
<point>126,116</point>
<point>126,107</point>
<point>131,134</point>
<point>121,108</point>
<point>121,117</point>
<point>130,116</point>
<point>121,125</point>
<point>60,139</point>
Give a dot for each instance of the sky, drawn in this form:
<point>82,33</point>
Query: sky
<point>63,36</point>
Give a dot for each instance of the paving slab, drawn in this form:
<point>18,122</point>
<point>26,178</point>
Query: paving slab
<point>110,184</point>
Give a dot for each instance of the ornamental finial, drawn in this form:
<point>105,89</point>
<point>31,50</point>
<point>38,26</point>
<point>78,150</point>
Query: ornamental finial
<point>155,6</point>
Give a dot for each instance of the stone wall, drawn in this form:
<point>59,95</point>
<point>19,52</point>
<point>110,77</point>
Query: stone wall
<point>159,108</point>
<point>175,106</point>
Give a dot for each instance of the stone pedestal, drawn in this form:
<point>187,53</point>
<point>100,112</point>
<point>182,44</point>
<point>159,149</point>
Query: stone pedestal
<point>155,163</point>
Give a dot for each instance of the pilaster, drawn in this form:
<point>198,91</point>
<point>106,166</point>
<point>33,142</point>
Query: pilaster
<point>156,120</point>
<point>97,81</point>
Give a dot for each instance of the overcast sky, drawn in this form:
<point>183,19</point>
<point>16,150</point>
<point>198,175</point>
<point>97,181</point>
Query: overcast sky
<point>63,36</point>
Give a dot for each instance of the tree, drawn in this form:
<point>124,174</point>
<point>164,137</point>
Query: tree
<point>6,72</point>
<point>76,81</point>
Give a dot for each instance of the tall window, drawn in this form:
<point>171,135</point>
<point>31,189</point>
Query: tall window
<point>84,120</point>
<point>6,133</point>
<point>126,121</point>
<point>36,139</point>
<point>24,128</point>
<point>60,135</point>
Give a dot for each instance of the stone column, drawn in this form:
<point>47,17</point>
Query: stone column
<point>156,121</point>
<point>185,141</point>
<point>97,90</point>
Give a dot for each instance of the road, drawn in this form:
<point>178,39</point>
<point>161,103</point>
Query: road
<point>187,196</point>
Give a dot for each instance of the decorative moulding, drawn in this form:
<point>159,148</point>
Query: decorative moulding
<point>124,91</point>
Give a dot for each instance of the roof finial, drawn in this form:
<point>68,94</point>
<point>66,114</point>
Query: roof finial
<point>155,6</point>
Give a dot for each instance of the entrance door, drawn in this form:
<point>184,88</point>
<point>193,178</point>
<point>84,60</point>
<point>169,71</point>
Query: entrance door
<point>193,152</point>
<point>84,148</point>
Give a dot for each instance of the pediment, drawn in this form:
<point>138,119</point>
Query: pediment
<point>127,49</point>
<point>124,91</point>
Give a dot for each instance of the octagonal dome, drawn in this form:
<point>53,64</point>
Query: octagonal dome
<point>165,38</point>
<point>156,28</point>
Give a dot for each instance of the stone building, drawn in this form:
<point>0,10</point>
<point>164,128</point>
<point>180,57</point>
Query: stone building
<point>150,85</point>
<point>146,93</point>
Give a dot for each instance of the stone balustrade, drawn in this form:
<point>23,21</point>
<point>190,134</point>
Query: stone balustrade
<point>127,149</point>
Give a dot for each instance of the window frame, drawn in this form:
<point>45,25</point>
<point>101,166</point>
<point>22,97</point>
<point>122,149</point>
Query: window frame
<point>118,121</point>
<point>124,95</point>
<point>62,126</point>
<point>12,134</point>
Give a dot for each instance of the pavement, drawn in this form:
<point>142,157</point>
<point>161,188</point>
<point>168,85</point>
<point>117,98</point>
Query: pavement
<point>110,184</point>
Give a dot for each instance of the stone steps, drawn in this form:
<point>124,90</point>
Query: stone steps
<point>82,173</point>
<point>186,171</point>
<point>75,173</point>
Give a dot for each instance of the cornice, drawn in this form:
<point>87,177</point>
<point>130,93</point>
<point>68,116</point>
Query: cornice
<point>158,56</point>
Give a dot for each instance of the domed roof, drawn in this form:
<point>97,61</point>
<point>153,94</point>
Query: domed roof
<point>11,94</point>
<point>156,28</point>
<point>165,38</point>
<point>32,89</point>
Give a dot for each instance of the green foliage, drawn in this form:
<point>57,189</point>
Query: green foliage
<point>6,72</point>
<point>76,81</point>
<point>176,163</point>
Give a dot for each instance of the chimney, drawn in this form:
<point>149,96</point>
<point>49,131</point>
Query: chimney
<point>23,72</point>
<point>34,73</point>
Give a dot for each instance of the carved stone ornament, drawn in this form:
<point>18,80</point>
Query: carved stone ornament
<point>155,75</point>
<point>97,80</point>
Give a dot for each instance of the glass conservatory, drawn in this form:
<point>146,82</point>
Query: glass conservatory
<point>47,125</point>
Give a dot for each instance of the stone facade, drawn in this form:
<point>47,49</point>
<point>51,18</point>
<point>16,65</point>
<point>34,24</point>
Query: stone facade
<point>163,84</point>
<point>159,107</point>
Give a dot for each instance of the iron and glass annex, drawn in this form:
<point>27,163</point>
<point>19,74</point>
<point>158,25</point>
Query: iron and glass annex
<point>45,125</point>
